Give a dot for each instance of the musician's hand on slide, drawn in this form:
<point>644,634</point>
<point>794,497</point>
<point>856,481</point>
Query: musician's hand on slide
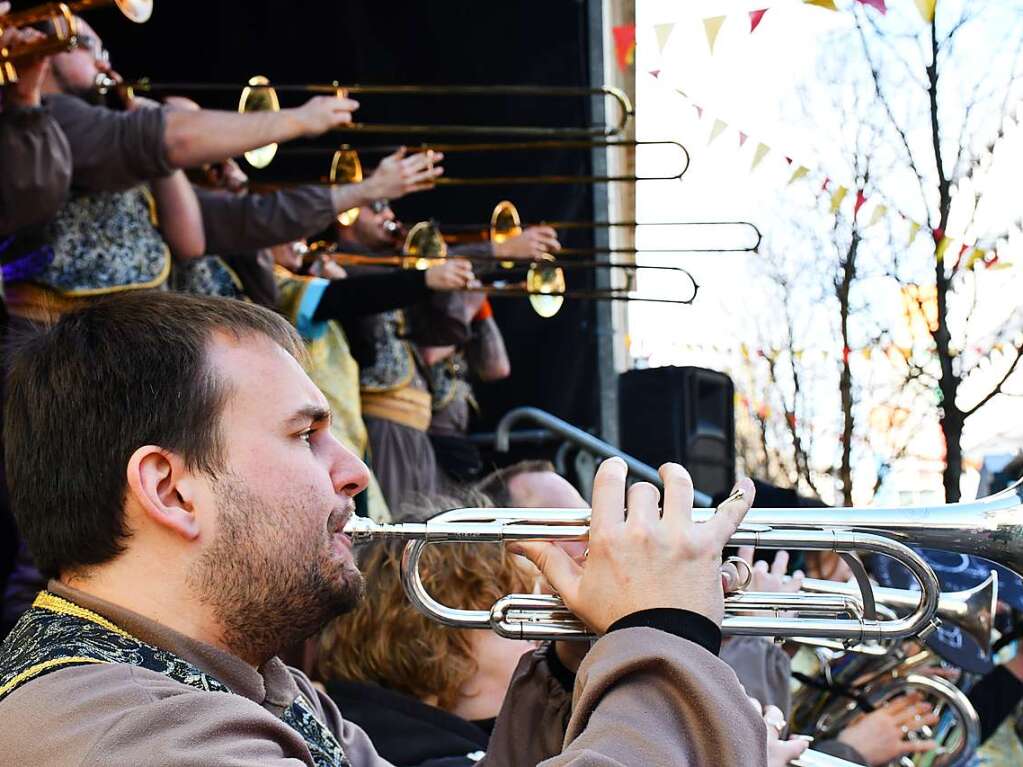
<point>631,556</point>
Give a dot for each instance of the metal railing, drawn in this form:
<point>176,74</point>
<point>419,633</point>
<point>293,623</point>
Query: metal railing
<point>503,437</point>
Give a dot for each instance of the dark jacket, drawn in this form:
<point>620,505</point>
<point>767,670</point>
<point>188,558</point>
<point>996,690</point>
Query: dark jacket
<point>405,731</point>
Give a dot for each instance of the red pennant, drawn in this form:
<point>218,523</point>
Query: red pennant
<point>788,160</point>
<point>845,354</point>
<point>742,138</point>
<point>938,233</point>
<point>625,44</point>
<point>878,4</point>
<point>824,186</point>
<point>959,258</point>
<point>699,111</point>
<point>755,17</point>
<point>860,199</point>
<point>655,72</point>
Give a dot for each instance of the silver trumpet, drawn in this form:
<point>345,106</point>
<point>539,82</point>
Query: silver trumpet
<point>991,528</point>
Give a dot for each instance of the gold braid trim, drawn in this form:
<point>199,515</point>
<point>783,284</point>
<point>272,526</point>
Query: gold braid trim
<point>47,601</point>
<point>41,667</point>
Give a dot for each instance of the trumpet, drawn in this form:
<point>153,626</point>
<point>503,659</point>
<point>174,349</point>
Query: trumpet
<point>65,29</point>
<point>991,528</point>
<point>541,616</point>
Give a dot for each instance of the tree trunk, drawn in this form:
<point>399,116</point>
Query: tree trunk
<point>842,290</point>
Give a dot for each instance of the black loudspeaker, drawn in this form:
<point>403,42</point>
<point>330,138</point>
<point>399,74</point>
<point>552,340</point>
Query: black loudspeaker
<point>681,414</point>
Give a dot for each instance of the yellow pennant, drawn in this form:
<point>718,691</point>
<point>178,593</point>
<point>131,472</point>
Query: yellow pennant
<point>939,252</point>
<point>799,172</point>
<point>663,32</point>
<point>829,4</point>
<point>914,227</point>
<point>837,197</point>
<point>977,255</point>
<point>717,129</point>
<point>926,8</point>
<point>877,215</point>
<point>759,154</point>
<point>712,26</point>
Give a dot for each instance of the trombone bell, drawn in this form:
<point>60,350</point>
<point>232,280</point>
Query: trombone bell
<point>258,96</point>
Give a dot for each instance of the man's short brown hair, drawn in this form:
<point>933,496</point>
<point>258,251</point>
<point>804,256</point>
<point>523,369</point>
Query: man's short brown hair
<point>386,641</point>
<point>125,371</point>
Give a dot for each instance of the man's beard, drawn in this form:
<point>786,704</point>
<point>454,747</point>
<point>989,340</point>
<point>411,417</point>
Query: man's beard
<point>269,586</point>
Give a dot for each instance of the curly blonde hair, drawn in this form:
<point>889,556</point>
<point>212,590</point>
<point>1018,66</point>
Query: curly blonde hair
<point>386,641</point>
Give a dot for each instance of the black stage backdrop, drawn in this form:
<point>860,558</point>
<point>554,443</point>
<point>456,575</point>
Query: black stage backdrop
<point>302,41</point>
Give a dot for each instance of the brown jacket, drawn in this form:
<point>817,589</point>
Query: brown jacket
<point>642,697</point>
<point>36,160</point>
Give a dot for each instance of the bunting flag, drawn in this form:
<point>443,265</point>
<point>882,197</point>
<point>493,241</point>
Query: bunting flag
<point>877,215</point>
<point>878,4</point>
<point>939,251</point>
<point>717,129</point>
<point>914,227</point>
<point>699,111</point>
<point>976,256</point>
<point>759,154</point>
<point>755,17</point>
<point>625,45</point>
<point>926,8</point>
<point>663,32</point>
<point>801,171</point>
<point>860,199</point>
<point>712,26</point>
<point>742,138</point>
<point>837,197</point>
<point>655,72</point>
<point>829,4</point>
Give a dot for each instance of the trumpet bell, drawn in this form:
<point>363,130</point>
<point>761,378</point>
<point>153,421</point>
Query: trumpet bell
<point>346,168</point>
<point>258,96</point>
<point>138,11</point>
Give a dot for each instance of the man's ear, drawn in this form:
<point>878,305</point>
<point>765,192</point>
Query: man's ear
<point>164,489</point>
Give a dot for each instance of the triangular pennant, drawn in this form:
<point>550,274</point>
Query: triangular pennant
<point>655,72</point>
<point>829,4</point>
<point>977,256</point>
<point>742,138</point>
<point>712,26</point>
<point>877,215</point>
<point>826,184</point>
<point>837,197</point>
<point>759,154</point>
<point>663,32</point>
<point>625,44</point>
<point>755,17</point>
<point>914,227</point>
<point>788,160</point>
<point>716,130</point>
<point>939,251</point>
<point>799,172</point>
<point>860,199</point>
<point>878,4</point>
<point>681,93</point>
<point>699,111</point>
<point>926,8</point>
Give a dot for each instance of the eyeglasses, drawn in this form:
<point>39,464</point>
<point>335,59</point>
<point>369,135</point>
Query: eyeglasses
<point>379,206</point>
<point>95,47</point>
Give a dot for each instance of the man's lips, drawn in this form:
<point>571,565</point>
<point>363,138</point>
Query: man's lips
<point>338,519</point>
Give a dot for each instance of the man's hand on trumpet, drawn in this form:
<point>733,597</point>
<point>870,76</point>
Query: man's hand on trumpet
<point>640,558</point>
<point>400,173</point>
<point>322,113</point>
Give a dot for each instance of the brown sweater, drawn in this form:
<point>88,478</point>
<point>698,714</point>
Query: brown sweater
<point>642,697</point>
<point>36,160</point>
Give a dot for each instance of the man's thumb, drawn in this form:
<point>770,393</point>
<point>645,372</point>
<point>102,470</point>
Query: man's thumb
<point>560,570</point>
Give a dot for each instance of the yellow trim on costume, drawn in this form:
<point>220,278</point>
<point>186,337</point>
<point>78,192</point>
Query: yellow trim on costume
<point>37,669</point>
<point>153,283</point>
<point>47,601</point>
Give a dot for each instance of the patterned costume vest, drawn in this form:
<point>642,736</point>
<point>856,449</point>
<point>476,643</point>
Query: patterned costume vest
<point>56,634</point>
<point>448,382</point>
<point>394,366</point>
<point>105,242</point>
<point>206,276</point>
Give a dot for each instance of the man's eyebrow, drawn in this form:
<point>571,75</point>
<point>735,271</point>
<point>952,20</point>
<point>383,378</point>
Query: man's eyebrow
<point>313,413</point>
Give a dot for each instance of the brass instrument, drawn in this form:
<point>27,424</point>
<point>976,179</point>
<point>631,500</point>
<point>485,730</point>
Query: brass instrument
<point>505,223</point>
<point>516,146</point>
<point>260,96</point>
<point>65,35</point>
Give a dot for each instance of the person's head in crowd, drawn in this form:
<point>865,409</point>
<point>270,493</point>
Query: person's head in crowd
<point>374,227</point>
<point>387,642</point>
<point>75,72</point>
<point>216,496</point>
<point>531,484</point>
<point>290,255</point>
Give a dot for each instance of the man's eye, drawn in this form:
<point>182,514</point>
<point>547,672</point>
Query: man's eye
<point>307,436</point>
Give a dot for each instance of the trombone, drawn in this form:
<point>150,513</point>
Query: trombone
<point>991,528</point>
<point>65,29</point>
<point>351,155</point>
<point>505,223</point>
<point>260,96</point>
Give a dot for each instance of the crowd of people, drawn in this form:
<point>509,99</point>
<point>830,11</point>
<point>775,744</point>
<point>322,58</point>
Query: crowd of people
<point>198,396</point>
